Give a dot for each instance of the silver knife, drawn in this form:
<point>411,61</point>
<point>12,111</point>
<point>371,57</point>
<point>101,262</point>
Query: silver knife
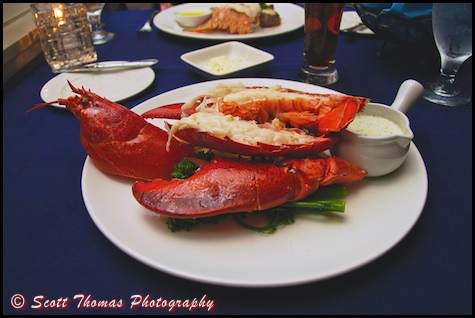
<point>109,66</point>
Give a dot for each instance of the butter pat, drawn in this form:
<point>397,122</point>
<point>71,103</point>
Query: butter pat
<point>221,64</point>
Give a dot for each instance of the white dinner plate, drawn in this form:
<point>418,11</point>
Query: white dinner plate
<point>113,85</point>
<point>379,213</point>
<point>351,19</point>
<point>292,18</point>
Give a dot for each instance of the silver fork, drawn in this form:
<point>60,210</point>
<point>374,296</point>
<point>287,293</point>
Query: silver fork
<point>147,27</point>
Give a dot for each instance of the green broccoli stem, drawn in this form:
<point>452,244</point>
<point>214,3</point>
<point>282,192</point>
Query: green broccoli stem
<point>328,192</point>
<point>317,206</point>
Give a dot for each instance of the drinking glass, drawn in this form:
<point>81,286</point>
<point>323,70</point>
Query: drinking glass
<point>452,26</point>
<point>322,27</point>
<point>99,35</point>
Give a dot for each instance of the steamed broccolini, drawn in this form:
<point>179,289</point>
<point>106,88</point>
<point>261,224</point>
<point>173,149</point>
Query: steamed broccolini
<point>184,169</point>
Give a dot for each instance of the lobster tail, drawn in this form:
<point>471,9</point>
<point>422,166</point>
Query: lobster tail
<point>265,121</point>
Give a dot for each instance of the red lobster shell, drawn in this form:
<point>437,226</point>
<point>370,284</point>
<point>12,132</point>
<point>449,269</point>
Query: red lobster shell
<point>121,142</point>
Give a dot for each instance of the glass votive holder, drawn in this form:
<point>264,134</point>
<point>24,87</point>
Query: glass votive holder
<point>65,34</point>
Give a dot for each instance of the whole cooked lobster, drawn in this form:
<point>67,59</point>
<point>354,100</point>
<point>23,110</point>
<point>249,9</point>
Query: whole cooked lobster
<point>123,143</point>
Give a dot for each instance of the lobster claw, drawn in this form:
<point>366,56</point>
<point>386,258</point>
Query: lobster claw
<point>230,185</point>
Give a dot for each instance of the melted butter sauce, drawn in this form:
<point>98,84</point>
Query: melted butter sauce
<point>191,13</point>
<point>370,125</point>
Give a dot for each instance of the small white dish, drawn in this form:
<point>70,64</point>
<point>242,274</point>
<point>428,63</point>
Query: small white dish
<point>191,18</point>
<point>236,60</point>
<point>113,85</point>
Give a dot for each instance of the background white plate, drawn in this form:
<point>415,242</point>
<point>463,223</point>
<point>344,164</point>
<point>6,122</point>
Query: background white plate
<point>379,213</point>
<point>350,19</point>
<point>292,18</point>
<point>114,85</point>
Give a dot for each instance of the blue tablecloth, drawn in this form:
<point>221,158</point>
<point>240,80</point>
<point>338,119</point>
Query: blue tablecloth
<point>53,250</point>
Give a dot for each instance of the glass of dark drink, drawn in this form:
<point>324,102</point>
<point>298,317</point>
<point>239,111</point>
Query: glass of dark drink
<point>322,27</point>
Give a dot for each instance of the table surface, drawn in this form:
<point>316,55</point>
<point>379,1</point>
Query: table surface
<point>53,250</point>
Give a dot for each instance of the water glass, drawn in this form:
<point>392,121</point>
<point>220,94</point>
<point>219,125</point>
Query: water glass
<point>65,34</point>
<point>99,35</point>
<point>452,26</point>
<point>322,27</point>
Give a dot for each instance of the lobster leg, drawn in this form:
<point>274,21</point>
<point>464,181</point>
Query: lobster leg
<point>172,111</point>
<point>228,186</point>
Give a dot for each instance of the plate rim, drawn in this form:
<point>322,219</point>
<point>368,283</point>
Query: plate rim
<point>165,16</point>
<point>414,155</point>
